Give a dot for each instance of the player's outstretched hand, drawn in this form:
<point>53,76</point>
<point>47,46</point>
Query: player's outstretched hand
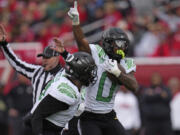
<point>73,14</point>
<point>3,34</point>
<point>59,46</point>
<point>112,67</point>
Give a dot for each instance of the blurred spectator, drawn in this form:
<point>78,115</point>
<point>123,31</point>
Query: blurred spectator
<point>175,46</point>
<point>56,10</point>
<point>156,108</point>
<point>40,20</point>
<point>3,112</point>
<point>149,41</point>
<point>124,26</point>
<point>165,36</point>
<point>66,26</point>
<point>99,13</point>
<point>20,103</point>
<point>170,15</point>
<point>83,15</point>
<point>174,85</point>
<point>93,8</point>
<point>143,7</point>
<point>112,16</point>
<point>125,7</point>
<point>127,111</point>
<point>26,34</point>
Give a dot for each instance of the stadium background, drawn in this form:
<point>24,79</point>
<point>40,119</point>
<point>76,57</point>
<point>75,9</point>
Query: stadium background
<point>153,27</point>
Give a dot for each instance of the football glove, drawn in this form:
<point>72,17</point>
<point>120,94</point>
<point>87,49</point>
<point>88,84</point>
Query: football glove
<point>112,67</point>
<point>74,15</point>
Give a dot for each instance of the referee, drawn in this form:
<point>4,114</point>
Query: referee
<point>39,75</point>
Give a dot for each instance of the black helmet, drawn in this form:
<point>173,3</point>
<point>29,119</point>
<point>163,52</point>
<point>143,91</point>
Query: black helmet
<point>117,36</point>
<point>82,67</point>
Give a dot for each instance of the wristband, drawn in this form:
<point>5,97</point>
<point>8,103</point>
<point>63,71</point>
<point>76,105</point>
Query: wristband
<point>3,43</point>
<point>64,54</point>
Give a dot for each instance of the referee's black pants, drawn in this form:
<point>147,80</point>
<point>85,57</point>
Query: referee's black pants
<point>100,124</point>
<point>48,132</point>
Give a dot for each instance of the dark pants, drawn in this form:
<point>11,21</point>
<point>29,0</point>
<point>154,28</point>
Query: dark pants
<point>52,132</point>
<point>72,124</point>
<point>100,124</point>
<point>51,129</point>
<point>3,129</point>
<point>18,127</point>
<point>158,128</point>
<point>177,132</point>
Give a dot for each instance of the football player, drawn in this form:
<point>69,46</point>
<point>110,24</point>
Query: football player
<point>114,69</point>
<point>60,99</point>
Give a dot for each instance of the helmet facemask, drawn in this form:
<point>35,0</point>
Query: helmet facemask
<point>115,43</point>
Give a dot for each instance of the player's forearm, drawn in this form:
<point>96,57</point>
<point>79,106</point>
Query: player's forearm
<point>20,66</point>
<point>129,81</point>
<point>82,43</point>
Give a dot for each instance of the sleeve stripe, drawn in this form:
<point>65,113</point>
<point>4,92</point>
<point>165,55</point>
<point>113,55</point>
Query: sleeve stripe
<point>19,65</point>
<point>44,82</point>
<point>36,87</point>
<point>33,79</point>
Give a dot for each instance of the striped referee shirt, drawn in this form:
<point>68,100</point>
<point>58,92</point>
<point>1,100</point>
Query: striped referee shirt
<point>35,73</point>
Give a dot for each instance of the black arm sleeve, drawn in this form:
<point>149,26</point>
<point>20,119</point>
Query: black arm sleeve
<point>48,106</point>
<point>3,43</point>
<point>64,54</point>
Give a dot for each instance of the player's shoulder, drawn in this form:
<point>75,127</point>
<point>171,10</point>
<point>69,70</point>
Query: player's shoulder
<point>65,91</point>
<point>129,62</point>
<point>63,82</point>
<point>96,47</point>
<point>60,75</point>
<point>98,52</point>
<point>68,89</point>
<point>63,88</point>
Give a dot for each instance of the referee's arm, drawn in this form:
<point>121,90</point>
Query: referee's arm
<point>49,105</point>
<point>20,66</point>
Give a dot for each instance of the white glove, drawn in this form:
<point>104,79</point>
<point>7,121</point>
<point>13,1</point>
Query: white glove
<point>112,67</point>
<point>74,15</point>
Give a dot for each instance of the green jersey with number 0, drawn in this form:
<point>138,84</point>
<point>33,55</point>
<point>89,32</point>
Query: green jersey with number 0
<point>100,97</point>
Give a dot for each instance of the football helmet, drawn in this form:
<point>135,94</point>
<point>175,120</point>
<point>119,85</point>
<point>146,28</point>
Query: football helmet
<point>115,37</point>
<point>82,67</point>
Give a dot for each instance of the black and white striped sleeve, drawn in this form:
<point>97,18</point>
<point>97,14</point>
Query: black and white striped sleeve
<point>20,66</point>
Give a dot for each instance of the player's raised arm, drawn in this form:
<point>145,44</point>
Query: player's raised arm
<point>19,65</point>
<point>3,33</point>
<point>59,47</point>
<point>82,43</point>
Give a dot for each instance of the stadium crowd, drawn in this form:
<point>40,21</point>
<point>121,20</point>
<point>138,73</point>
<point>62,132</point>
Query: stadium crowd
<point>153,30</point>
<point>144,21</point>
